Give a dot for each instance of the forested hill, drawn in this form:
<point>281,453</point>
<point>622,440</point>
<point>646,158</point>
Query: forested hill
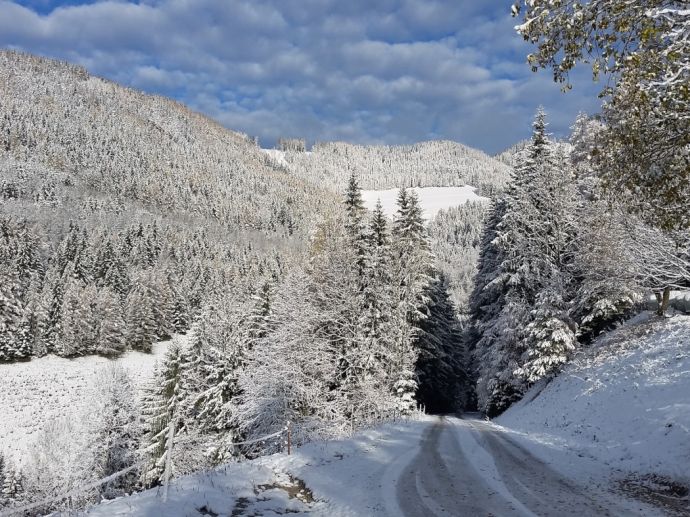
<point>123,214</point>
<point>61,127</point>
<point>426,164</point>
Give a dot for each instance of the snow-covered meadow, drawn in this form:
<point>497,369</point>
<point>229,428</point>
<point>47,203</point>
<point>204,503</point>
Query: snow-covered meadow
<point>431,199</point>
<point>43,390</point>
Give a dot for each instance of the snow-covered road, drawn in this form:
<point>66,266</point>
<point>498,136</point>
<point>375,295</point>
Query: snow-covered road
<point>428,467</point>
<point>472,467</point>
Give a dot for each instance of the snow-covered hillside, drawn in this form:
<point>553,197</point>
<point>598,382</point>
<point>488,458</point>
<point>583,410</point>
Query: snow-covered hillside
<point>425,164</point>
<point>43,390</point>
<point>625,401</point>
<point>431,199</point>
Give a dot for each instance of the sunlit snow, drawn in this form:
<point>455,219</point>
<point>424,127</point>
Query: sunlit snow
<point>432,199</point>
<point>48,388</point>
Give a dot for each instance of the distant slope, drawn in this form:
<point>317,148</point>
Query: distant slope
<point>426,164</point>
<point>509,156</point>
<point>431,199</point>
<point>623,401</point>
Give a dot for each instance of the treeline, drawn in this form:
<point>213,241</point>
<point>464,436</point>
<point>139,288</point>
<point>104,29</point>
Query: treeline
<point>426,164</point>
<point>561,260</point>
<point>94,291</point>
<point>112,233</point>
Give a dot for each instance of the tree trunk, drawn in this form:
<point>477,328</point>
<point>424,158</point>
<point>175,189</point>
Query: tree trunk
<point>662,301</point>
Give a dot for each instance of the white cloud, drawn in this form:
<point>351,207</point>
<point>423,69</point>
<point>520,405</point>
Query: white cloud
<point>396,71</point>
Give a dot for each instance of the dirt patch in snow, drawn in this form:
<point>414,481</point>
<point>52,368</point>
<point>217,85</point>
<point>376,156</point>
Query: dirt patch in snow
<point>293,487</point>
<point>661,491</point>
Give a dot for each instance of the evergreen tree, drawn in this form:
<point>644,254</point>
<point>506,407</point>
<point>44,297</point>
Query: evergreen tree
<point>162,416</point>
<point>412,275</point>
<point>356,227</point>
<point>116,429</point>
<point>525,258</point>
<point>440,368</point>
<point>77,330</point>
<point>14,341</point>
<point>12,489</point>
<point>142,326</point>
<point>110,325</point>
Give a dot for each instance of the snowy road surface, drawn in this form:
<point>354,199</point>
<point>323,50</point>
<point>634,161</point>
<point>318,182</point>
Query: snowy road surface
<point>471,467</point>
<point>426,467</point>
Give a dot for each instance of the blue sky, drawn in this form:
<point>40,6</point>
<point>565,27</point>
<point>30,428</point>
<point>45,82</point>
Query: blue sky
<point>365,71</point>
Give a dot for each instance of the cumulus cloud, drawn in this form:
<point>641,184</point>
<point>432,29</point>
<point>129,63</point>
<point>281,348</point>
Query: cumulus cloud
<point>391,71</point>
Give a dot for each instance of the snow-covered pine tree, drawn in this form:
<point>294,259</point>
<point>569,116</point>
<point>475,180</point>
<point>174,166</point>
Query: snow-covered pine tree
<point>355,224</point>
<point>550,335</point>
<point>412,275</point>
<point>12,487</point>
<point>140,316</point>
<point>14,341</point>
<point>375,333</point>
<point>37,319</point>
<point>161,412</point>
<point>290,375</point>
<point>218,350</point>
<point>443,381</point>
<point>77,333</point>
<point>180,316</point>
<point>116,429</point>
<point>528,255</point>
<point>110,325</point>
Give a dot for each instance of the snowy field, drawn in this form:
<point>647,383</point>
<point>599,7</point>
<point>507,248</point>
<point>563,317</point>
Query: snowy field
<point>624,402</point>
<point>48,388</point>
<point>432,199</point>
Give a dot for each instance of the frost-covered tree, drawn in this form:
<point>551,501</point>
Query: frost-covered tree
<point>412,275</point>
<point>607,276</point>
<point>290,377</point>
<point>60,460</point>
<point>440,368</point>
<point>110,329</point>
<point>519,268</point>
<point>162,417</point>
<point>550,335</point>
<point>140,316</point>
<point>14,341</point>
<point>78,333</point>
<point>644,153</point>
<point>11,485</point>
<point>116,431</point>
<point>221,340</point>
<point>356,227</point>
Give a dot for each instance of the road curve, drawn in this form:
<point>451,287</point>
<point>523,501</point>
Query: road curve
<point>471,468</point>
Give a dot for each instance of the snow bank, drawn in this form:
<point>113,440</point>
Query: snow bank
<point>51,387</point>
<point>341,478</point>
<point>625,401</point>
<point>432,199</point>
